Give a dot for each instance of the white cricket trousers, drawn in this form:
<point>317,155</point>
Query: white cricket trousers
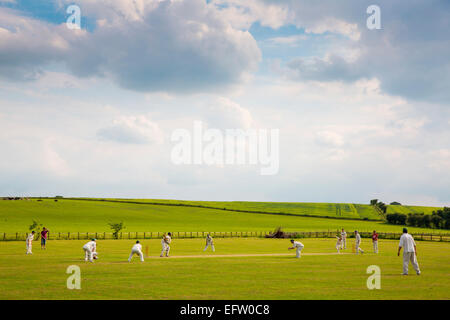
<point>375,246</point>
<point>212,247</point>
<point>87,254</point>
<point>29,246</point>
<point>138,252</point>
<point>338,247</point>
<point>298,252</point>
<point>344,243</point>
<point>165,249</point>
<point>407,257</point>
<point>358,249</point>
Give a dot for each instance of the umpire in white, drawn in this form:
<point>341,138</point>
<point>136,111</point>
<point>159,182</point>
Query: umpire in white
<point>409,252</point>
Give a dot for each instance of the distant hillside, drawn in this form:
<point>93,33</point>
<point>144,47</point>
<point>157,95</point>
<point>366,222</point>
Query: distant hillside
<point>411,209</point>
<point>326,210</point>
<point>91,215</point>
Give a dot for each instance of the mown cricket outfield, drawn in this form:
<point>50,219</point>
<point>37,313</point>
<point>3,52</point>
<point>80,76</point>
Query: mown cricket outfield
<point>240,268</point>
<point>191,273</point>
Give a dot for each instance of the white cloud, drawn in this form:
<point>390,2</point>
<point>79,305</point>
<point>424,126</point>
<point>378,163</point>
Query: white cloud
<point>329,138</point>
<point>335,26</point>
<point>223,113</point>
<point>176,46</point>
<point>132,129</point>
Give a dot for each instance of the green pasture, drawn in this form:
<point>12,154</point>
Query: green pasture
<point>331,210</point>
<point>94,216</point>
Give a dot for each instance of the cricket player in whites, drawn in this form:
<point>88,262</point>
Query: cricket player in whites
<point>89,248</point>
<point>296,245</point>
<point>358,243</point>
<point>375,241</point>
<point>344,239</point>
<point>29,242</point>
<point>209,242</point>
<point>137,249</point>
<point>338,243</point>
<point>409,252</point>
<point>165,244</point>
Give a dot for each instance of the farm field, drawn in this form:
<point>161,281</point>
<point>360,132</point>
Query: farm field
<point>94,216</point>
<point>331,210</point>
<point>410,209</point>
<point>191,273</point>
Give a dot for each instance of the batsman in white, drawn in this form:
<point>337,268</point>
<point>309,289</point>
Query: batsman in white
<point>136,249</point>
<point>29,242</point>
<point>165,244</point>
<point>296,245</point>
<point>344,239</point>
<point>358,243</point>
<point>89,248</point>
<point>209,242</point>
<point>338,243</point>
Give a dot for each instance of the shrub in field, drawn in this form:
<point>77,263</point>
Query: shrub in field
<point>116,227</point>
<point>396,218</point>
<point>445,216</point>
<point>35,226</point>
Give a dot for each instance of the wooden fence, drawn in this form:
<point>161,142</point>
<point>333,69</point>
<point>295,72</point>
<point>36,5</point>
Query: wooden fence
<point>21,236</point>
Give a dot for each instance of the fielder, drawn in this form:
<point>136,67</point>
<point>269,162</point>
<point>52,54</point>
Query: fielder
<point>297,245</point>
<point>29,242</point>
<point>165,244</point>
<point>209,242</point>
<point>358,243</point>
<point>89,248</point>
<point>136,249</point>
<point>338,243</point>
<point>344,239</point>
<point>409,252</point>
<point>375,241</point>
<point>44,236</point>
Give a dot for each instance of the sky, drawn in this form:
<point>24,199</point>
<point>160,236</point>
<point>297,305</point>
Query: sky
<point>362,113</point>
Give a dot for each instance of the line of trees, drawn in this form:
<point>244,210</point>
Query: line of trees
<point>439,219</point>
<point>379,204</point>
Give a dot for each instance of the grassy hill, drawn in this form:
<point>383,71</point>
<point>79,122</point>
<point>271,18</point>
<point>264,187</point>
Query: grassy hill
<point>327,210</point>
<point>94,216</point>
<point>410,209</point>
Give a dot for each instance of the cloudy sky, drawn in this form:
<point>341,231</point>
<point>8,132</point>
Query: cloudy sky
<point>361,113</point>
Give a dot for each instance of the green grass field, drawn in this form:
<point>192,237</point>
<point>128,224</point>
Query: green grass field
<point>94,216</point>
<point>330,276</point>
<point>411,209</point>
<point>331,210</point>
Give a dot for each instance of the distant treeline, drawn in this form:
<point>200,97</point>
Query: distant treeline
<point>439,219</point>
